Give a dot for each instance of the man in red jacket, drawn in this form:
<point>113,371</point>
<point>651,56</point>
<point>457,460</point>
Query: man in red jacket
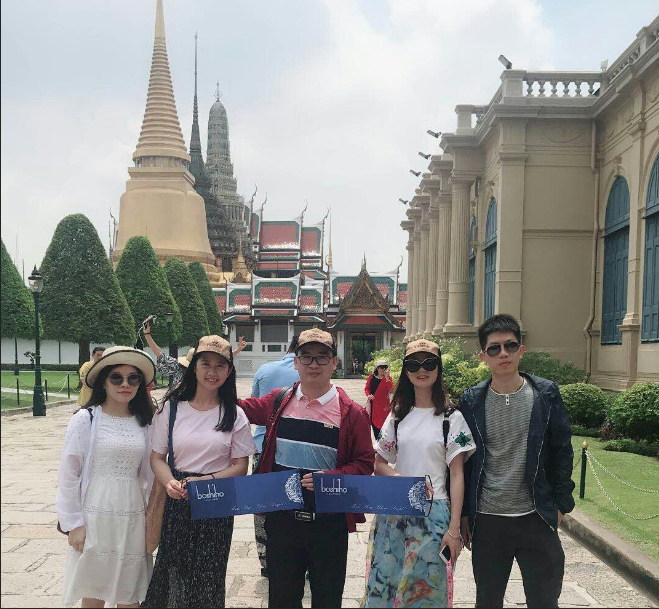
<point>317,428</point>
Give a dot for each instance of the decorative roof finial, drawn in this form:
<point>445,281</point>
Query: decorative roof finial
<point>217,92</point>
<point>364,262</point>
<point>329,253</point>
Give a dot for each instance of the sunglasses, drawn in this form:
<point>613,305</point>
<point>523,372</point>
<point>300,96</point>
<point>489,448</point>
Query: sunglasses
<point>117,379</point>
<point>510,346</point>
<point>414,365</point>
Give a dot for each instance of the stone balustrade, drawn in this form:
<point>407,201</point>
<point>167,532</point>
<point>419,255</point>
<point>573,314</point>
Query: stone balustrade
<point>562,84</point>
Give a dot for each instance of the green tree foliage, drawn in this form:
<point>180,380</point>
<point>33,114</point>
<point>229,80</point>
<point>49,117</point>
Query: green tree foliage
<point>145,285</point>
<point>205,290</point>
<point>184,290</point>
<point>17,306</point>
<point>81,299</point>
<point>635,412</point>
<point>585,404</point>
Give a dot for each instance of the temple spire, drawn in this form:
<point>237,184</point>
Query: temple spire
<point>195,138</point>
<point>161,136</point>
<point>329,253</point>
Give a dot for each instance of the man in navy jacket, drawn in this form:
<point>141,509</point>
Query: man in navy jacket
<point>518,485</point>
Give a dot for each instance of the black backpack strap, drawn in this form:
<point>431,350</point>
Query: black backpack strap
<point>91,414</point>
<point>446,426</point>
<point>173,407</point>
<point>396,422</point>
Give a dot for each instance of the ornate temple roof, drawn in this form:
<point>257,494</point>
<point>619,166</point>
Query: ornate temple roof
<point>402,296</point>
<point>280,235</point>
<point>161,135</point>
<point>276,293</point>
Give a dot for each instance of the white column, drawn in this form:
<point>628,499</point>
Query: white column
<point>422,276</point>
<point>458,288</point>
<point>443,260</point>
<point>408,225</point>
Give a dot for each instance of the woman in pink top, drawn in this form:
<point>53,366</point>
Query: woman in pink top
<point>200,433</point>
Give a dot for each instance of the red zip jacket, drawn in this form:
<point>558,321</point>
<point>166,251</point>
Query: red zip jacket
<point>355,451</point>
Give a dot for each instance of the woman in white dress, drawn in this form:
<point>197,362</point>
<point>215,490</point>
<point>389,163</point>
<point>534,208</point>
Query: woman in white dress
<point>103,484</point>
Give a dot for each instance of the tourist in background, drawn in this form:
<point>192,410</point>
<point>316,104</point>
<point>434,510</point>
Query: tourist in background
<point>316,428</point>
<point>85,391</point>
<point>103,484</point>
<point>268,377</point>
<point>404,568</point>
<point>378,388</point>
<point>519,484</point>
<point>210,438</point>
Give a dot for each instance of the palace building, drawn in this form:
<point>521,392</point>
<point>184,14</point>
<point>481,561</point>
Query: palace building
<point>545,204</point>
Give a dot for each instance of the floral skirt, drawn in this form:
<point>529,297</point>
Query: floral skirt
<point>191,564</point>
<point>403,567</point>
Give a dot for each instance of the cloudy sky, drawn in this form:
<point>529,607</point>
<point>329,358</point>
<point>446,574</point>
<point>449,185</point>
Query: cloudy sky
<point>328,100</point>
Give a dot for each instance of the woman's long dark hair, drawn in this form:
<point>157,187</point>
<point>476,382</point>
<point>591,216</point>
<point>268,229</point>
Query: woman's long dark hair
<point>227,393</point>
<point>141,406</point>
<point>404,397</point>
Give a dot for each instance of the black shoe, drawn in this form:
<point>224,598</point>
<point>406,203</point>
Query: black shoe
<point>264,572</point>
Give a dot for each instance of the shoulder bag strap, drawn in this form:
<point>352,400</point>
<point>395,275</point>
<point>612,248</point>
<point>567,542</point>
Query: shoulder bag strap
<point>279,398</point>
<point>446,426</point>
<point>173,407</point>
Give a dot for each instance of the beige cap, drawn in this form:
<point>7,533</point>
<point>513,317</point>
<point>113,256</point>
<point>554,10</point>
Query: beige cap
<point>381,362</point>
<point>422,346</point>
<point>185,361</point>
<point>316,336</point>
<point>123,356</point>
<point>215,344</point>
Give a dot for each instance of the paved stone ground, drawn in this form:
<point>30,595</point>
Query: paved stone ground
<point>33,552</point>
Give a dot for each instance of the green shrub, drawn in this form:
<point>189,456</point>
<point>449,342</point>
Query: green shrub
<point>638,447</point>
<point>186,295</point>
<point>17,306</point>
<point>586,432</point>
<point>147,291</point>
<point>205,290</point>
<point>586,404</point>
<point>635,412</point>
<point>543,364</point>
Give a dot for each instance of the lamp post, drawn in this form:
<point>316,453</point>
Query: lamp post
<point>38,401</point>
<point>169,318</point>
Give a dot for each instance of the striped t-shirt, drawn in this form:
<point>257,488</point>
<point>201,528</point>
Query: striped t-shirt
<point>308,436</point>
<point>507,416</point>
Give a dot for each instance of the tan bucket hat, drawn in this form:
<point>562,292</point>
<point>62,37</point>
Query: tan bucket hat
<point>185,360</point>
<point>316,336</point>
<point>127,356</point>
<point>215,344</point>
<point>422,346</point>
<point>381,362</point>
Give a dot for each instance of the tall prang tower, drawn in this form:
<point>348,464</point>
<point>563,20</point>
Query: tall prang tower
<point>160,201</point>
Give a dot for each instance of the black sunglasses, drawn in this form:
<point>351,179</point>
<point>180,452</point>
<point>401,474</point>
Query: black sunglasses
<point>117,379</point>
<point>511,346</point>
<point>414,365</point>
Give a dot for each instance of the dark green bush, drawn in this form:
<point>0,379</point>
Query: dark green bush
<point>186,295</point>
<point>17,306</point>
<point>638,447</point>
<point>635,412</point>
<point>586,432</point>
<point>543,364</point>
<point>145,285</point>
<point>205,290</point>
<point>586,404</point>
<point>81,299</point>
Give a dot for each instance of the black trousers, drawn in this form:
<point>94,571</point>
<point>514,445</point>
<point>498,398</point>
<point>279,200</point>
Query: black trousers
<point>293,546</point>
<point>497,540</point>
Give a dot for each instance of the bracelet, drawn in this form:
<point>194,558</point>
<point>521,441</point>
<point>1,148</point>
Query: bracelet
<point>146,333</point>
<point>453,536</point>
<point>213,476</point>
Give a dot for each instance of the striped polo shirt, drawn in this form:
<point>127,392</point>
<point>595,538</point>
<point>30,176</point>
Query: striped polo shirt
<point>308,435</point>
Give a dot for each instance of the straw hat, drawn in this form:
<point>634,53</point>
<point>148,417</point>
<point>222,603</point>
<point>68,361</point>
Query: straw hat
<point>422,346</point>
<point>214,344</point>
<point>118,356</point>
<point>185,361</point>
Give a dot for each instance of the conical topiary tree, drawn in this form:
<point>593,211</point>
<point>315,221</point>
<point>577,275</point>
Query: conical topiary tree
<point>145,285</point>
<point>205,290</point>
<point>81,299</point>
<point>17,306</point>
<point>184,290</point>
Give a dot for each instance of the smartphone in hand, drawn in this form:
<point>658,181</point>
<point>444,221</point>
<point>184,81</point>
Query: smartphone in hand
<point>445,554</point>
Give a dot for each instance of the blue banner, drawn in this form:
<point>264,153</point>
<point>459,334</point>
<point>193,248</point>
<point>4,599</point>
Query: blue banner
<point>245,495</point>
<point>396,495</point>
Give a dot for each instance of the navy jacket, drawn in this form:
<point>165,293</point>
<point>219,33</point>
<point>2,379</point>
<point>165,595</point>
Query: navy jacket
<point>549,455</point>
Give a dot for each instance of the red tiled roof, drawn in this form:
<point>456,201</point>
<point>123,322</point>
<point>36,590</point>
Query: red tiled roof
<point>364,320</point>
<point>221,302</point>
<point>275,235</point>
<point>311,245</point>
<point>402,299</point>
<point>277,266</point>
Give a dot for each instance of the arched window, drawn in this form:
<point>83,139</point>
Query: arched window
<point>616,246</point>
<point>472,269</point>
<point>490,259</point>
<point>650,328</point>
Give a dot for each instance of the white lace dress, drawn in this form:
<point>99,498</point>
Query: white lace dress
<point>114,566</point>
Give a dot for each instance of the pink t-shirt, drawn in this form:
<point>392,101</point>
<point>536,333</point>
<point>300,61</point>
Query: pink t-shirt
<point>325,409</point>
<point>198,448</point>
